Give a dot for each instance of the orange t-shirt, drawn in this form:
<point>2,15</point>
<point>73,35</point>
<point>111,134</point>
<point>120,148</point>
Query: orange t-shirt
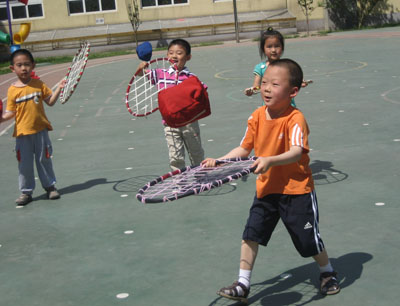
<point>274,137</point>
<point>27,102</point>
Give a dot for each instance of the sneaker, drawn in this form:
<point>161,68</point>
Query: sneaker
<point>329,283</point>
<point>52,193</point>
<point>24,199</point>
<point>233,292</point>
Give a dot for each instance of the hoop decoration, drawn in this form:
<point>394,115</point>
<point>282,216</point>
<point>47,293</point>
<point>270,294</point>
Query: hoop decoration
<point>141,98</point>
<point>194,180</point>
<point>75,72</point>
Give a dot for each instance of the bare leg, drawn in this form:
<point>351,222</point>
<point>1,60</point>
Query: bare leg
<point>322,258</point>
<point>248,254</point>
<point>240,290</point>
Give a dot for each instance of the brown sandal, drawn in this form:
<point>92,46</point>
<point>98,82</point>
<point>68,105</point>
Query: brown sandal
<point>329,283</point>
<point>232,293</point>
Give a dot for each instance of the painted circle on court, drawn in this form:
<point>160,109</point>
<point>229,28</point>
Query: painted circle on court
<point>379,204</point>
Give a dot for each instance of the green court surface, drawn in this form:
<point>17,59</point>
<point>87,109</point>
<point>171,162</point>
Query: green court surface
<point>98,242</point>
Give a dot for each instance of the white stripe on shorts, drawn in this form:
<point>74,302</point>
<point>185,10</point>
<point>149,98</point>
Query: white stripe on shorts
<point>317,237</point>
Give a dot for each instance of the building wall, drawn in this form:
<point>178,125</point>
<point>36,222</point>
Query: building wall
<point>209,7</point>
<point>56,13</point>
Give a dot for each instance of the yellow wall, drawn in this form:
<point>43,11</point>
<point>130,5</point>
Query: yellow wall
<point>209,7</point>
<point>56,12</point>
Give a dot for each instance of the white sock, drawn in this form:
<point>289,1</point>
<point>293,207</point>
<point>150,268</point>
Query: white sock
<point>327,268</point>
<point>244,277</point>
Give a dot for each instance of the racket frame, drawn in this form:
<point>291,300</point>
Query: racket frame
<point>201,187</point>
<point>140,77</point>
<point>81,57</point>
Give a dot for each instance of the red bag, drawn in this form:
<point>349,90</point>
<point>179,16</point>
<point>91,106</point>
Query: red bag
<point>184,103</point>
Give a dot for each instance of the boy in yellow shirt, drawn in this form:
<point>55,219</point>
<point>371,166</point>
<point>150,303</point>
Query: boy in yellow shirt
<point>278,134</point>
<point>25,102</point>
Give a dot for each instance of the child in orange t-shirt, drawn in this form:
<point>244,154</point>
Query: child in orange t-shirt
<point>278,134</point>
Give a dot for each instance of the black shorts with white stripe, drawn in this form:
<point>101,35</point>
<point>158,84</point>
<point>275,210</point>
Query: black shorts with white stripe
<point>299,214</point>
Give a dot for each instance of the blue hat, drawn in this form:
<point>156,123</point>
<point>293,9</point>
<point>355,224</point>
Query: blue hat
<point>144,51</point>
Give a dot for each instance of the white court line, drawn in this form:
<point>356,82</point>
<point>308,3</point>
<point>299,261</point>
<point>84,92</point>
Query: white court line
<point>384,96</point>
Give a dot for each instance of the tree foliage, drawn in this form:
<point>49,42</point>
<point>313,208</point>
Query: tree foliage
<point>348,14</point>
<point>307,8</point>
<point>132,7</point>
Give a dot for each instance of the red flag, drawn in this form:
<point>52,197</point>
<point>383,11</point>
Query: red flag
<point>24,1</point>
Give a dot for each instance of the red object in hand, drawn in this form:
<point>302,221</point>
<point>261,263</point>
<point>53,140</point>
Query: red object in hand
<point>34,76</point>
<point>184,103</point>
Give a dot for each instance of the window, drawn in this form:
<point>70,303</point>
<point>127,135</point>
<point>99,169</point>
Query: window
<point>18,10</point>
<point>88,6</point>
<point>149,3</point>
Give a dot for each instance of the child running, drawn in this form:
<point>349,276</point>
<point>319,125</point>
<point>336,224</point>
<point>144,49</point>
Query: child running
<point>25,102</point>
<point>278,134</point>
<point>188,136</point>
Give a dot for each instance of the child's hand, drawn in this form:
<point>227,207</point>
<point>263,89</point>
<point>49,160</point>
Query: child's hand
<point>306,82</point>
<point>62,83</point>
<point>143,65</point>
<point>248,91</point>
<point>208,163</point>
<point>262,164</point>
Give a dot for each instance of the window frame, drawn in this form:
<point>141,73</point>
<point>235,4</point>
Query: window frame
<point>92,12</point>
<point>3,5</point>
<point>162,5</point>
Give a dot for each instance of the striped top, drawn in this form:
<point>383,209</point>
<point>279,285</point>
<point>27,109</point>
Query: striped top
<point>166,77</point>
<point>27,104</point>
<point>274,137</point>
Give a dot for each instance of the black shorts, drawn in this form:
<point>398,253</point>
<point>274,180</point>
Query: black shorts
<point>299,214</point>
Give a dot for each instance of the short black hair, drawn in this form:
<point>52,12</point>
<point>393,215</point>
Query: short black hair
<point>21,52</point>
<point>294,69</point>
<point>270,32</point>
<point>181,42</point>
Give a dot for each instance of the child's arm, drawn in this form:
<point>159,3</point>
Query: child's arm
<point>53,98</point>
<point>256,85</point>
<point>236,152</point>
<point>141,67</point>
<point>291,156</point>
<point>7,116</point>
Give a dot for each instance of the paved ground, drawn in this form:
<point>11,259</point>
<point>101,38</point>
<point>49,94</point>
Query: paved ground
<point>98,241</point>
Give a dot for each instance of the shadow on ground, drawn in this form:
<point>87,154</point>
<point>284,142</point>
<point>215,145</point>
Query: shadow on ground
<point>284,289</point>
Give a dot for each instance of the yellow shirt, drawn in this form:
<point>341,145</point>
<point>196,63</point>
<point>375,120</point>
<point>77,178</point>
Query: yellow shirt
<point>274,137</point>
<point>27,103</point>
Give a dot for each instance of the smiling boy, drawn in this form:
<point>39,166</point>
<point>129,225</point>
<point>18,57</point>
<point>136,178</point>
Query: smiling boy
<point>188,136</point>
<point>278,134</point>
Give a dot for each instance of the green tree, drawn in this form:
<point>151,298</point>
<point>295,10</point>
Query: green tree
<point>307,8</point>
<point>132,7</point>
<point>356,13</point>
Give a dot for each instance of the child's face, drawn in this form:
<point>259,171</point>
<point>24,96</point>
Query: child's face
<point>273,48</point>
<point>276,90</point>
<point>178,54</point>
<point>22,66</point>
